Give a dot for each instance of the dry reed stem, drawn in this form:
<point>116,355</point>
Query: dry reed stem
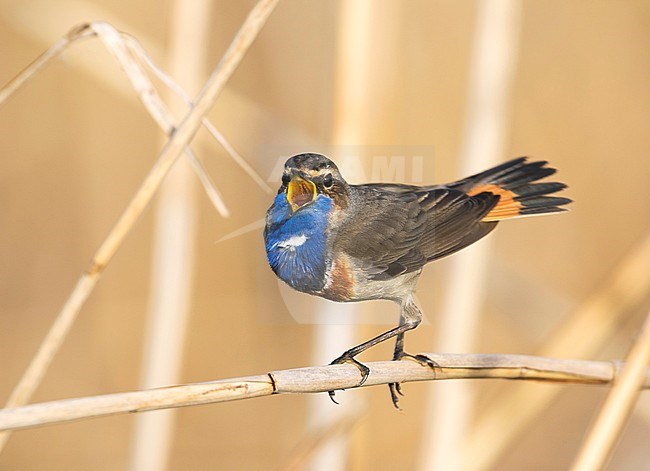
<point>314,380</point>
<point>617,408</point>
<point>181,138</point>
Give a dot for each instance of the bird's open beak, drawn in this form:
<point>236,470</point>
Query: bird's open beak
<point>300,192</point>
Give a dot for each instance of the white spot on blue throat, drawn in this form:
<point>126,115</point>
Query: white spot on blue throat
<point>292,242</point>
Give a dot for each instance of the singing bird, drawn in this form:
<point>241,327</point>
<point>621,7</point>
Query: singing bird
<point>344,242</point>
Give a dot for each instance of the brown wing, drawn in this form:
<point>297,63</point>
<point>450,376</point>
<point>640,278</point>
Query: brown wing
<point>399,229</point>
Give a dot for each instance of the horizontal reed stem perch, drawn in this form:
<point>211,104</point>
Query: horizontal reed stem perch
<point>313,380</point>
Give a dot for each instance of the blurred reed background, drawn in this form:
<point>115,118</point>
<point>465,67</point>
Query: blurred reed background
<point>76,143</point>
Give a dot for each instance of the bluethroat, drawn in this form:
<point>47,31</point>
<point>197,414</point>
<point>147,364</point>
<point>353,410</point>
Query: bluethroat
<point>347,243</point>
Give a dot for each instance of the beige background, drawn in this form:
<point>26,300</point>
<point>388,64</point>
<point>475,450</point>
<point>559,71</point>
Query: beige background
<point>76,142</point>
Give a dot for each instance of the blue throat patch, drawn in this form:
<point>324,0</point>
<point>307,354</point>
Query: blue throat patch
<point>296,242</point>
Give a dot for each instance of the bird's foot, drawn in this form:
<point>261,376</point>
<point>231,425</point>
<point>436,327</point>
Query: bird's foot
<point>421,359</point>
<point>396,388</point>
<point>347,358</point>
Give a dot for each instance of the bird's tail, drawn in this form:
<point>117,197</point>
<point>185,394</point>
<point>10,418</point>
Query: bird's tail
<point>514,181</point>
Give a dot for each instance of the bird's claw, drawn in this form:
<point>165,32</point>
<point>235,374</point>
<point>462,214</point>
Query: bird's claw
<point>396,388</point>
<point>346,358</point>
<point>331,394</point>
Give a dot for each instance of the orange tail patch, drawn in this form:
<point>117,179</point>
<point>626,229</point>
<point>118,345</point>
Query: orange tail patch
<point>507,207</point>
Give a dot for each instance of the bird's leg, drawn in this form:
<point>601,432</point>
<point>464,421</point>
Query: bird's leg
<point>410,318</point>
<point>399,353</point>
<point>396,388</point>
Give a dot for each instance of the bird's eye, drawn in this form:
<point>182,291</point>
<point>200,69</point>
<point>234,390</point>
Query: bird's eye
<point>327,181</point>
<point>285,179</point>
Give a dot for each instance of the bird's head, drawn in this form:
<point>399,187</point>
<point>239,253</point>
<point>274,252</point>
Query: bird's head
<point>306,176</point>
